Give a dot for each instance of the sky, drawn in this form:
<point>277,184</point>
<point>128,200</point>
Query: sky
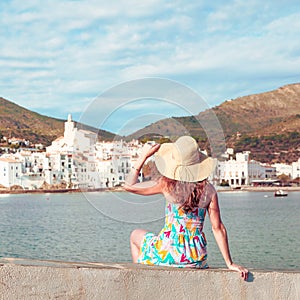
<point>59,57</point>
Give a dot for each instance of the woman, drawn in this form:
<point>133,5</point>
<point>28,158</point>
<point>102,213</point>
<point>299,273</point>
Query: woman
<point>189,195</point>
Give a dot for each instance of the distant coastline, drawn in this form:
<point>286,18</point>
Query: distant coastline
<point>120,189</point>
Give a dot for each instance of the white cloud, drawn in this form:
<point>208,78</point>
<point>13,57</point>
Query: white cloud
<point>284,25</point>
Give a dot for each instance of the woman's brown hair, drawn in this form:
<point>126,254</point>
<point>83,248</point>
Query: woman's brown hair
<point>188,194</point>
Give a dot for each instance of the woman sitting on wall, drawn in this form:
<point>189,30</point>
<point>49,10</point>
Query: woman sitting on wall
<point>181,242</point>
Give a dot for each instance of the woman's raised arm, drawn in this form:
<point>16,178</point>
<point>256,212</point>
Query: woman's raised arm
<point>143,188</point>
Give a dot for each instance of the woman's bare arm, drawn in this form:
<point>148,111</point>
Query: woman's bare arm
<point>143,188</point>
<point>220,235</point>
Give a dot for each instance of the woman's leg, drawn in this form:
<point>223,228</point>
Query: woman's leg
<point>136,239</point>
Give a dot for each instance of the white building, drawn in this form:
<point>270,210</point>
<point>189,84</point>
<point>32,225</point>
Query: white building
<point>114,161</point>
<point>283,169</point>
<point>296,169</point>
<point>81,162</point>
<point>242,171</point>
<point>234,171</point>
<point>110,174</point>
<point>10,171</point>
<point>71,158</point>
<point>269,172</point>
<point>74,140</point>
<point>32,168</point>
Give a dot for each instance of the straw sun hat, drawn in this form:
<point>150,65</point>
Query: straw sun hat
<point>183,161</point>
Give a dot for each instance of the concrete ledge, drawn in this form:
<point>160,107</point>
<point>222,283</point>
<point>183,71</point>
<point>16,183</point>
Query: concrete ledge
<point>30,279</point>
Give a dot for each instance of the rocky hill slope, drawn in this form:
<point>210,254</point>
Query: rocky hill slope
<point>267,124</point>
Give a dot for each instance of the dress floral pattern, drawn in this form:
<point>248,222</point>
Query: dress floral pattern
<point>180,243</point>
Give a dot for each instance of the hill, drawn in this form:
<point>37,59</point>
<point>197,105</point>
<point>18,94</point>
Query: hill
<point>17,121</point>
<point>267,124</point>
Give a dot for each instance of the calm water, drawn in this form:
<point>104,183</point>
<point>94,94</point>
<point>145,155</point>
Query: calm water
<point>263,230</point>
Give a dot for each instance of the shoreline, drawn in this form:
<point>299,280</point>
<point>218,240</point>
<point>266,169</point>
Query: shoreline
<point>53,191</point>
<point>120,189</point>
<point>262,189</point>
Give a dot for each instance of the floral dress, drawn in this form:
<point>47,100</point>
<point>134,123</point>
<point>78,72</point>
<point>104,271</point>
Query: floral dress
<point>181,242</point>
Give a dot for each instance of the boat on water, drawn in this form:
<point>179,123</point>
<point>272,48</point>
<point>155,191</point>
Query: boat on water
<point>280,193</point>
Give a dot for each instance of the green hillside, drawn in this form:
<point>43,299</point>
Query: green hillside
<point>19,122</point>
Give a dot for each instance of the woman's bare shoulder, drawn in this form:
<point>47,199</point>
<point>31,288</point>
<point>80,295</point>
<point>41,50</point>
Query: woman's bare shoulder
<point>211,189</point>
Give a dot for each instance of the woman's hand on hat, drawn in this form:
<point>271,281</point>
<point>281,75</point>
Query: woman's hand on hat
<point>148,150</point>
<point>243,271</point>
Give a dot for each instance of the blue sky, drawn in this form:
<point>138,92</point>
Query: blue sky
<point>58,56</point>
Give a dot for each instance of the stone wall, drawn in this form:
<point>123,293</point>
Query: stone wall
<point>29,279</point>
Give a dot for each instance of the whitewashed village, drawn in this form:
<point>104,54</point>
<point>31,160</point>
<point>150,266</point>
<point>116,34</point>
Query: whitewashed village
<point>77,160</point>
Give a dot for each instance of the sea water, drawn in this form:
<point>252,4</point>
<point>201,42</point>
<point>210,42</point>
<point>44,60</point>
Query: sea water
<point>263,231</point>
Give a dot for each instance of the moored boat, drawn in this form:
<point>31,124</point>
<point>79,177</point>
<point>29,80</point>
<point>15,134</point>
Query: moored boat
<point>280,193</point>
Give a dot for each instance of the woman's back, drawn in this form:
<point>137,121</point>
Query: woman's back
<point>181,242</point>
